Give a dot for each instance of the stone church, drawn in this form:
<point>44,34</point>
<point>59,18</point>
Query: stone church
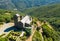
<point>22,22</point>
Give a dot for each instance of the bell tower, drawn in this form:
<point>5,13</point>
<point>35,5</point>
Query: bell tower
<point>16,19</point>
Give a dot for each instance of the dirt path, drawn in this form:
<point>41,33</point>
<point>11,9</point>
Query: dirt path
<point>34,29</point>
<point>30,38</point>
<point>4,27</point>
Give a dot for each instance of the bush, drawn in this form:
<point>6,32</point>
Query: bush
<point>1,23</point>
<point>37,36</point>
<point>3,39</point>
<point>50,33</point>
<point>2,20</point>
<point>28,31</point>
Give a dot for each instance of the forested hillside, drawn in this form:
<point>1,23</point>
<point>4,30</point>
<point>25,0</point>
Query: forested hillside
<point>49,34</point>
<point>7,15</point>
<point>43,11</point>
<point>50,13</point>
<point>44,14</point>
<point>24,4</point>
<point>6,4</point>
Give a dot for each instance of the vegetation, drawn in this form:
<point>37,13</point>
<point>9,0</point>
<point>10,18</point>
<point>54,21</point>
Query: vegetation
<point>28,32</point>
<point>50,13</point>
<point>7,15</point>
<point>24,4</point>
<point>52,16</point>
<point>50,33</point>
<point>37,36</point>
<point>13,36</point>
<point>3,39</point>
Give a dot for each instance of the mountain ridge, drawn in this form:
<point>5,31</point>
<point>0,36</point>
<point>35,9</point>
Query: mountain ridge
<point>24,4</point>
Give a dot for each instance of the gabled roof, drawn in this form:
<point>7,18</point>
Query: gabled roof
<point>26,19</point>
<point>17,15</point>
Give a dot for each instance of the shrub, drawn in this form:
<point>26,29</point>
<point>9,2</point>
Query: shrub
<point>37,36</point>
<point>3,39</point>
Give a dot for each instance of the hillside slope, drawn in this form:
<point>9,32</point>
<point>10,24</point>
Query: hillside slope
<point>6,4</point>
<point>45,11</point>
<point>24,4</point>
<point>49,13</point>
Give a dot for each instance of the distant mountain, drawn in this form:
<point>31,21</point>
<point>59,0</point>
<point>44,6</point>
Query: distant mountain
<point>44,11</point>
<point>6,4</point>
<point>23,4</point>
